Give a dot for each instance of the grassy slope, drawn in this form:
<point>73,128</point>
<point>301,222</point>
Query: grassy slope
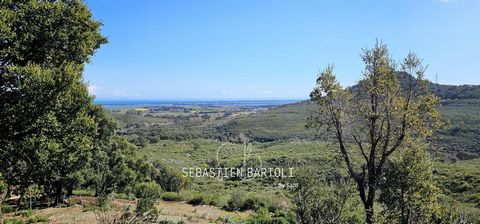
<point>283,122</point>
<point>461,140</point>
<point>201,153</point>
<point>280,137</point>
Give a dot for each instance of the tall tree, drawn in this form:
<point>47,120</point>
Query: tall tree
<point>376,118</point>
<point>47,127</point>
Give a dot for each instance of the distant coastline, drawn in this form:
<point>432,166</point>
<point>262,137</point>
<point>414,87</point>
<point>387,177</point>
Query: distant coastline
<point>133,103</point>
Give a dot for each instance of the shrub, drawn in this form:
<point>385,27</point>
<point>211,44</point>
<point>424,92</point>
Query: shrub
<point>217,201</point>
<point>236,202</point>
<point>148,193</point>
<point>278,205</point>
<point>185,195</point>
<point>72,202</point>
<point>263,216</point>
<point>320,197</point>
<point>199,199</point>
<point>6,208</point>
<point>35,219</point>
<point>13,221</point>
<point>24,213</point>
<point>124,196</point>
<point>239,202</point>
<point>171,196</point>
<point>251,203</point>
<point>3,186</point>
<point>169,179</point>
<point>84,192</point>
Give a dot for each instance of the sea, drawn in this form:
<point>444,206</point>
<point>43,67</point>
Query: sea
<point>114,104</point>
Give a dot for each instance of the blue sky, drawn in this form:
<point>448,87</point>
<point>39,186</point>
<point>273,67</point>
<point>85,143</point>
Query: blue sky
<point>271,49</point>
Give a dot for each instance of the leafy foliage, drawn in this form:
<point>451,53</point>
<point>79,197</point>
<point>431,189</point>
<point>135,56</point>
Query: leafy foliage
<point>51,132</point>
<point>148,193</point>
<point>377,118</point>
<point>322,196</point>
<point>408,190</point>
<point>168,178</point>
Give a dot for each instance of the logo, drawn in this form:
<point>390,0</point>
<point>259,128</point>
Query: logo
<point>245,170</point>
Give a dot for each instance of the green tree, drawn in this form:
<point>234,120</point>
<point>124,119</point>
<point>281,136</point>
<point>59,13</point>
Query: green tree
<point>112,167</point>
<point>47,129</point>
<point>3,189</point>
<point>407,190</point>
<point>51,130</point>
<point>47,33</point>
<point>376,118</point>
<point>168,178</point>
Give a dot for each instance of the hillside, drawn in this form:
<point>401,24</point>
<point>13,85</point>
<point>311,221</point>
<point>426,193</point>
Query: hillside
<point>283,122</point>
<point>460,106</point>
<point>446,92</point>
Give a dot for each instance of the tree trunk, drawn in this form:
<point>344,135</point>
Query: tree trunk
<point>368,205</point>
<point>369,213</point>
<point>20,199</point>
<point>58,193</point>
<point>9,191</point>
<point>69,190</point>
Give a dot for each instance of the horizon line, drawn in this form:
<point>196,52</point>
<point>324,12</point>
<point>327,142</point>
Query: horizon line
<point>192,99</point>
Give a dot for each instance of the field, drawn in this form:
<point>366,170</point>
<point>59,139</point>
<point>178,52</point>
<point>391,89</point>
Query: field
<point>278,137</point>
<point>84,212</point>
<point>184,137</point>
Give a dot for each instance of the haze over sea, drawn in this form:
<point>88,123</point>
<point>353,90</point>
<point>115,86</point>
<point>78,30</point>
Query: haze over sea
<point>129,103</point>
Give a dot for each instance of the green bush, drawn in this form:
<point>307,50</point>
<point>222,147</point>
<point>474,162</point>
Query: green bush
<point>171,196</point>
<point>3,186</point>
<point>225,220</point>
<point>24,213</point>
<point>200,199</point>
<point>36,219</point>
<point>263,216</point>
<point>185,195</point>
<point>169,179</point>
<point>124,196</point>
<point>6,208</point>
<point>148,193</point>
<point>84,192</point>
<point>218,201</point>
<point>13,221</point>
<point>236,202</point>
<point>251,203</point>
<point>239,201</point>
<point>72,202</point>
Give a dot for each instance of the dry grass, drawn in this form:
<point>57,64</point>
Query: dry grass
<point>178,211</point>
<point>175,211</point>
